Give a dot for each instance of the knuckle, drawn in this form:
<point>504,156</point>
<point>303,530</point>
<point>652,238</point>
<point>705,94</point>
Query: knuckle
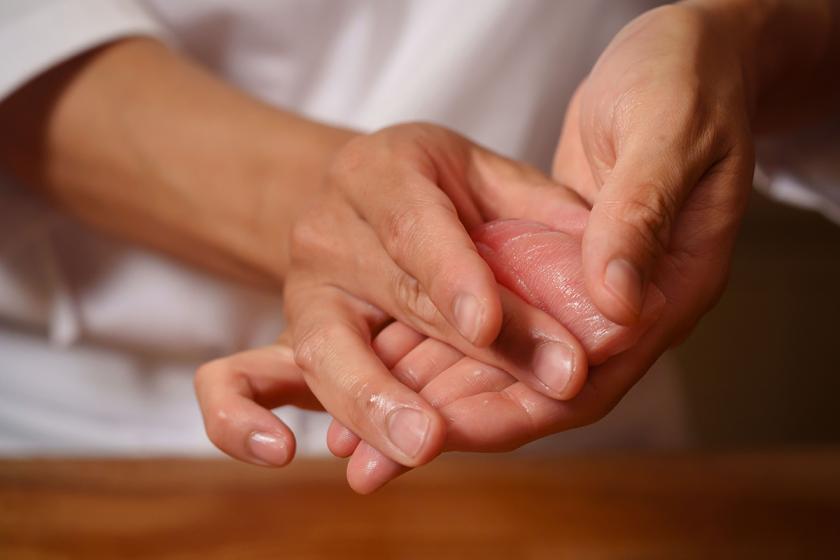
<point>309,236</point>
<point>413,299</point>
<point>310,348</point>
<point>648,216</point>
<point>348,161</point>
<point>404,228</point>
<point>315,348</point>
<point>409,229</point>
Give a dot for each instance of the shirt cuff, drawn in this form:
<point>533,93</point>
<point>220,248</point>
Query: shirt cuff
<point>48,32</point>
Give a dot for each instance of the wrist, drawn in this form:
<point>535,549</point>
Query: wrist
<point>738,24</point>
<point>788,52</point>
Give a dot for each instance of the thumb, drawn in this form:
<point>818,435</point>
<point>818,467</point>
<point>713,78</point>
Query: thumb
<point>629,228</point>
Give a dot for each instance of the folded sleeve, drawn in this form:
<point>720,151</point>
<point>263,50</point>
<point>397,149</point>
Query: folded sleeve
<point>36,35</point>
<point>803,168</point>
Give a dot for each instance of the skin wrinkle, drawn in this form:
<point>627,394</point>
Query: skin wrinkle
<point>477,377</point>
<point>524,405</point>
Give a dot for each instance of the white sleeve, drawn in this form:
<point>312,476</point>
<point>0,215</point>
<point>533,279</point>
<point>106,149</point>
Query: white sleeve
<point>803,169</point>
<point>38,34</point>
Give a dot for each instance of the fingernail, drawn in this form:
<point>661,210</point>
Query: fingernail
<point>623,280</point>
<point>554,363</point>
<point>268,448</point>
<point>469,316</point>
<point>407,429</point>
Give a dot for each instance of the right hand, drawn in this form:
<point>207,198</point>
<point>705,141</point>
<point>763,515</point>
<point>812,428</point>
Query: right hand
<point>389,240</point>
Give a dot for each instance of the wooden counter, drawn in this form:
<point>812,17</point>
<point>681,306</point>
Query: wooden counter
<point>757,505</point>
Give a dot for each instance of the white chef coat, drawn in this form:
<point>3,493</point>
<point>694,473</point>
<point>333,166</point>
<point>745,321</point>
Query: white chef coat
<point>98,339</point>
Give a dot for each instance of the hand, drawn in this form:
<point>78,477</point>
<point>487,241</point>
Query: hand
<point>389,239</point>
<point>236,395</point>
<point>484,408</point>
<point>679,233</point>
<point>657,140</point>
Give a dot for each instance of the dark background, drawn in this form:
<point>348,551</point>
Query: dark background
<point>763,366</point>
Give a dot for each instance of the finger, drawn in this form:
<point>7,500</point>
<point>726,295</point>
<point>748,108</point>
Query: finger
<point>425,237</point>
<point>332,347</point>
<point>531,345</point>
<point>463,379</point>
<point>497,414</point>
<point>571,165</point>
<point>368,469</point>
<point>630,224</point>
<point>390,345</point>
<point>503,421</point>
<point>341,441</point>
<point>394,342</point>
<point>235,394</point>
<point>424,362</point>
<point>364,269</point>
<point>513,190</point>
<point>419,366</point>
<point>477,420</point>
<point>493,421</point>
<point>536,349</point>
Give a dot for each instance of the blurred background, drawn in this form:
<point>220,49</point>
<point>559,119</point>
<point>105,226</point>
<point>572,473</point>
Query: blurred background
<point>762,366</point>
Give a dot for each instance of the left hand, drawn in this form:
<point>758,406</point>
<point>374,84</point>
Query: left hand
<point>657,139</point>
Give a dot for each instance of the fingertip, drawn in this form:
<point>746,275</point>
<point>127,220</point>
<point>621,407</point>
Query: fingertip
<point>270,449</point>
<point>477,317</point>
<point>416,434</point>
<point>369,470</point>
<point>616,262</point>
<point>469,314</point>
<point>561,366</point>
<point>578,375</point>
<point>625,285</point>
<point>467,294</point>
<point>613,284</point>
<point>244,430</point>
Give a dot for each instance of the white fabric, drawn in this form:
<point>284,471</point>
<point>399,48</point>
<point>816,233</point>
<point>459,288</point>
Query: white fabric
<point>99,338</point>
<point>37,34</point>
